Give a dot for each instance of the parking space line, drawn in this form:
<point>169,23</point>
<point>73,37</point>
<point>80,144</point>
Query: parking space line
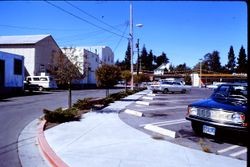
<point>178,100</point>
<point>228,149</point>
<point>163,108</point>
<point>238,153</point>
<point>171,122</point>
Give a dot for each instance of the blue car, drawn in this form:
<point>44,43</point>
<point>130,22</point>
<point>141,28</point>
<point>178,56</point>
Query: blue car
<point>224,111</point>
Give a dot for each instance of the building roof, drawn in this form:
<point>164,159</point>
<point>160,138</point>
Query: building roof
<point>163,66</point>
<point>22,39</point>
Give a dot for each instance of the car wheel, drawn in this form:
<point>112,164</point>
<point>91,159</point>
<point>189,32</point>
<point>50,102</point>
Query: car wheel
<point>40,88</point>
<point>165,91</point>
<point>183,91</point>
<point>196,128</point>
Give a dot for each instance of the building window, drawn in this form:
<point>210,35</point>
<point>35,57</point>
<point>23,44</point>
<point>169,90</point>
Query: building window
<point>18,68</point>
<point>42,68</point>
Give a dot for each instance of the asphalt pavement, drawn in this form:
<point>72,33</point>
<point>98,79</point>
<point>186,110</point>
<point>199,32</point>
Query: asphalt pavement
<point>102,139</point>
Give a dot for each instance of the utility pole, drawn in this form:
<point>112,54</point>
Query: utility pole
<point>138,56</point>
<point>131,45</point>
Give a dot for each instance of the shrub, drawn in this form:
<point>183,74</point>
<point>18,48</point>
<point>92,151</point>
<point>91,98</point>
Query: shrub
<point>84,104</point>
<point>118,96</point>
<point>59,115</point>
<point>106,101</point>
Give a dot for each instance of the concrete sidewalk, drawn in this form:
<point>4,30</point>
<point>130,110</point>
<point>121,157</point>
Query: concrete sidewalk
<point>103,140</point>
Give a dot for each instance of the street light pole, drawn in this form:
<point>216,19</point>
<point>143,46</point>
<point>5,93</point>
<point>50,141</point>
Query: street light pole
<point>131,45</point>
<point>200,71</point>
<point>138,52</point>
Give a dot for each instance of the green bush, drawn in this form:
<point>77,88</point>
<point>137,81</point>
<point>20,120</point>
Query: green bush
<point>59,115</point>
<point>106,101</point>
<point>88,103</point>
<point>84,104</point>
<point>118,96</point>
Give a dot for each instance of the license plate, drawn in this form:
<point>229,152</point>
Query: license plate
<point>208,130</point>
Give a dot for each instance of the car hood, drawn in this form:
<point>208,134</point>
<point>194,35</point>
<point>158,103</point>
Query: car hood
<point>225,105</point>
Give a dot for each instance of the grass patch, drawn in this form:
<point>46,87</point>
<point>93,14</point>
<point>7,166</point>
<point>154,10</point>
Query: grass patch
<point>204,146</point>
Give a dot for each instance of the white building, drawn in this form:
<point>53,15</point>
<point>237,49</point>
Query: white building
<point>88,63</point>
<point>161,68</point>
<point>37,50</point>
<point>105,53</point>
<point>11,73</point>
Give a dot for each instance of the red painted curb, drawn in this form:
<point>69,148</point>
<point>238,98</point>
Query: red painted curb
<point>47,150</point>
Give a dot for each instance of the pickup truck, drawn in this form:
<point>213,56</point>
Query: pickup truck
<point>170,87</point>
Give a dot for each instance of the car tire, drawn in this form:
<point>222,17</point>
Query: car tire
<point>40,88</point>
<point>183,91</point>
<point>196,128</point>
<point>165,91</point>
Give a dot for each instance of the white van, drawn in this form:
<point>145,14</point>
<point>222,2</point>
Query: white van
<point>44,82</point>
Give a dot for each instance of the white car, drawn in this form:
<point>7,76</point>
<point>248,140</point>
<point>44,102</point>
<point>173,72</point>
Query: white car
<point>169,86</point>
<point>215,85</point>
<point>44,82</point>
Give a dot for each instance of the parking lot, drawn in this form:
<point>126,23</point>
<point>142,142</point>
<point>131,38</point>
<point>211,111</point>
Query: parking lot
<point>162,116</point>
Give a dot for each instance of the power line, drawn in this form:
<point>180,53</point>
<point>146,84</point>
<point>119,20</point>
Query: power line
<point>37,28</point>
<point>80,18</point>
<point>81,10</point>
<point>121,38</point>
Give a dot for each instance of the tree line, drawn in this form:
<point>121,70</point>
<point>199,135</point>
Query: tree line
<point>147,61</point>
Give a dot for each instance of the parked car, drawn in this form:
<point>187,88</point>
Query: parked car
<point>44,82</point>
<point>169,86</point>
<point>224,111</point>
<point>30,87</point>
<point>215,85</point>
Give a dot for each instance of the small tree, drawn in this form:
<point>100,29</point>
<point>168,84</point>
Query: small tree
<point>107,76</point>
<point>141,78</point>
<point>66,69</point>
<point>126,76</point>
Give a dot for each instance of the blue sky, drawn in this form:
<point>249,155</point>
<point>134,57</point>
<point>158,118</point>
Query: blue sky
<point>184,30</point>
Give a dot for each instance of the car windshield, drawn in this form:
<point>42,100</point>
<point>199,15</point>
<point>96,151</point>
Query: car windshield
<point>231,93</point>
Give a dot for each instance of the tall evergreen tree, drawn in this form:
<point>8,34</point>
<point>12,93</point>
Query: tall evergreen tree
<point>127,60</point>
<point>150,59</point>
<point>231,60</point>
<point>144,55</point>
<point>242,61</point>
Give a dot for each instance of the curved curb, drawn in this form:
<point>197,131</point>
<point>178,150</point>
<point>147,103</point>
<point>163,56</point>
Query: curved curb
<point>50,155</point>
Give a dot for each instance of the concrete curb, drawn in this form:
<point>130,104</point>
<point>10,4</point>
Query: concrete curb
<point>50,155</point>
<point>143,103</point>
<point>151,94</point>
<point>133,112</point>
<point>160,130</point>
<point>148,98</point>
